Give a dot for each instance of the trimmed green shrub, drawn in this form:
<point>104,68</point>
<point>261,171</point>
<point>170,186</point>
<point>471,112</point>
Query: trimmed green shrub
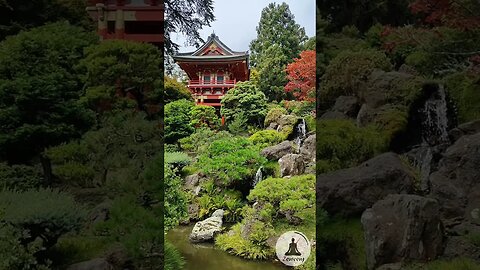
<point>20,177</point>
<point>200,140</point>
<point>274,114</point>
<point>175,90</point>
<point>204,116</point>
<point>177,159</point>
<point>464,88</point>
<point>266,138</point>
<point>247,99</point>
<point>177,120</point>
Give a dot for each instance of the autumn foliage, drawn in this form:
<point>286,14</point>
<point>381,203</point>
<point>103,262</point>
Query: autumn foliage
<point>301,76</point>
<point>461,14</point>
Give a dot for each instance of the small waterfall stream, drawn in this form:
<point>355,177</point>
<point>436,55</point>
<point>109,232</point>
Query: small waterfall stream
<point>258,177</point>
<point>300,133</point>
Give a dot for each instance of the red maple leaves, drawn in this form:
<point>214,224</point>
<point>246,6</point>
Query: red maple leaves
<point>461,14</point>
<point>301,76</point>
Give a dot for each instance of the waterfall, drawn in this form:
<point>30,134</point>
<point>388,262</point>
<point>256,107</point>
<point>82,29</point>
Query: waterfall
<point>435,122</point>
<point>278,128</point>
<point>301,133</point>
<point>258,177</point>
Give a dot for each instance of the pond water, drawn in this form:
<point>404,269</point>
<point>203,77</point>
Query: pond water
<point>206,256</point>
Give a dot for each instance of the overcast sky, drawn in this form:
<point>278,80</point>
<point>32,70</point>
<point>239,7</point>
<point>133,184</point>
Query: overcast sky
<point>236,21</point>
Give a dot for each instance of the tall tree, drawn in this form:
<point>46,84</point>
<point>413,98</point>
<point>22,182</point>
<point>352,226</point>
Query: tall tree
<point>40,90</point>
<point>279,40</point>
<point>186,17</point>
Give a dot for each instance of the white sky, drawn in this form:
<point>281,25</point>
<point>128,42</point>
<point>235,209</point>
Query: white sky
<point>236,21</point>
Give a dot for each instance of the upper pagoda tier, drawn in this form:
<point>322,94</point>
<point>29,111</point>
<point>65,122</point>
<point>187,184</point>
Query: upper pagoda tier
<point>211,59</point>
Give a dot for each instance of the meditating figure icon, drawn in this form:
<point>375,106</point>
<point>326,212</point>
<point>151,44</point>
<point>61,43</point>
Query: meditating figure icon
<point>292,249</point>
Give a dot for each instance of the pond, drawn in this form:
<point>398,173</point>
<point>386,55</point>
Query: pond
<point>206,256</point>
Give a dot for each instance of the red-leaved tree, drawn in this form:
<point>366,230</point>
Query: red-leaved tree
<point>461,14</point>
<point>301,76</point>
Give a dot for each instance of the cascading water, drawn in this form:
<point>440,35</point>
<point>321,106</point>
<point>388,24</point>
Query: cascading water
<point>258,177</point>
<point>301,133</point>
<point>435,121</point>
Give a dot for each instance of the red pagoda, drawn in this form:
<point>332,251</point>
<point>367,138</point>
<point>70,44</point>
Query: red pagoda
<point>212,70</point>
<point>136,20</point>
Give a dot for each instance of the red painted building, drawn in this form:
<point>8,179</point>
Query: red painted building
<point>212,70</point>
<point>136,20</point>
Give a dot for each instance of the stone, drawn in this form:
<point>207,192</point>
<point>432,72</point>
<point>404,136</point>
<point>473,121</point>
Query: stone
<point>192,181</point>
<point>277,151</point>
<point>118,257</point>
<point>468,128</point>
<point>332,115</point>
<point>291,164</point>
<point>94,264</point>
<point>460,246</point>
<point>347,105</point>
<point>206,230</point>
<point>193,211</point>
<point>456,183</point>
<point>308,148</point>
<point>100,213</point>
<point>349,192</point>
<point>402,227</point>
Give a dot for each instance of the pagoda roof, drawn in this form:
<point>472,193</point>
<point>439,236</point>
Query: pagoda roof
<point>212,50</point>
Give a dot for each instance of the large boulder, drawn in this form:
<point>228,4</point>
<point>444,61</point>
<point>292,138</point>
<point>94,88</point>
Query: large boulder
<point>308,148</point>
<point>94,264</point>
<point>277,151</point>
<point>347,105</point>
<point>456,184</point>
<point>468,128</point>
<point>349,192</point>
<point>207,229</point>
<point>291,164</point>
<point>402,228</point>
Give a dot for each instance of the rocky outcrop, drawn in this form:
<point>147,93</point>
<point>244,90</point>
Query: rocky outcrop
<point>456,183</point>
<point>291,164</point>
<point>469,128</point>
<point>277,151</point>
<point>350,191</point>
<point>207,229</point>
<point>308,148</point>
<point>347,105</point>
<point>94,264</point>
<point>402,228</point>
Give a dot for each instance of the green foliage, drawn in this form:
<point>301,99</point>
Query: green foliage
<point>348,70</point>
<point>214,198</point>
<point>272,75</point>
<point>286,195</point>
<point>120,72</point>
<point>177,120</point>
<point>200,140</point>
<point>78,248</point>
<point>232,160</point>
<point>239,124</point>
<point>104,156</point>
<point>173,258</point>
<point>175,90</point>
<point>341,144</point>
<point>40,88</point>
<point>19,177</point>
<point>253,248</point>
<point>266,138</point>
<point>204,116</point>
<point>274,115</point>
<point>245,98</point>
<point>45,213</point>
<point>300,108</point>
<point>177,159</point>
<point>175,202</point>
<point>14,254</point>
<point>464,88</point>
<point>138,229</point>
<point>341,241</point>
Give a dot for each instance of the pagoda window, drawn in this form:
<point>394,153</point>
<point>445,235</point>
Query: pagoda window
<point>206,79</point>
<point>220,79</point>
<point>111,27</point>
<point>143,27</point>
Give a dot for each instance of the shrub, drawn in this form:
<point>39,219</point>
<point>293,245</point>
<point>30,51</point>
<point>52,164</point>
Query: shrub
<point>239,125</point>
<point>204,116</point>
<point>175,90</point>
<point>177,120</point>
<point>200,140</point>
<point>177,159</point>
<point>175,201</point>
<point>341,144</point>
<point>214,198</point>
<point>464,88</point>
<point>247,99</point>
<point>46,214</point>
<point>266,138</point>
<point>173,259</point>
<point>19,177</point>
<point>348,70</point>
<point>231,160</point>
<point>274,114</point>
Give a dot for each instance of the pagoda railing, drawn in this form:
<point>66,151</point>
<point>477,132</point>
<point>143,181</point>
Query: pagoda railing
<point>212,83</point>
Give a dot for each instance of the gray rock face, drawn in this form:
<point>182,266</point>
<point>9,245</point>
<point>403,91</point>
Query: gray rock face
<point>464,129</point>
<point>291,164</point>
<point>402,228</point>
<point>308,148</point>
<point>332,115</point>
<point>347,105</point>
<point>207,229</point>
<point>192,181</point>
<point>350,191</point>
<point>95,264</point>
<point>456,183</point>
<point>277,151</point>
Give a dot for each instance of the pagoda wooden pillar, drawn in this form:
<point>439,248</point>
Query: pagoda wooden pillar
<point>119,24</point>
